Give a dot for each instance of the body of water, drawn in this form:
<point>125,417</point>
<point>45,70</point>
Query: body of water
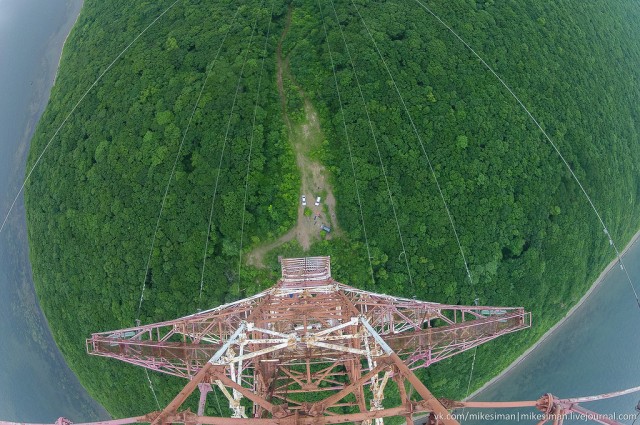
<point>596,350</point>
<point>35,383</point>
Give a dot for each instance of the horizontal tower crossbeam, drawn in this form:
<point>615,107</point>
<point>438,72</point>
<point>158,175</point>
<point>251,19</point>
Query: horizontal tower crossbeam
<point>310,338</point>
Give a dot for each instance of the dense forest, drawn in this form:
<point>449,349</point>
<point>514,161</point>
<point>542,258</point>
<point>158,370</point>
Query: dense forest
<point>528,233</point>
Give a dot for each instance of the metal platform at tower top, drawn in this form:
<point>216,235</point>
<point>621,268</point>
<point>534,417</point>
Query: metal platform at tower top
<point>310,349</point>
<point>297,271</point>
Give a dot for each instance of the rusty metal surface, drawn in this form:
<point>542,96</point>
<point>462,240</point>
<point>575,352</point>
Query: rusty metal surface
<point>310,349</point>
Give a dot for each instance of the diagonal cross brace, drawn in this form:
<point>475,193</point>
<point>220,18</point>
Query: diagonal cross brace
<point>432,402</point>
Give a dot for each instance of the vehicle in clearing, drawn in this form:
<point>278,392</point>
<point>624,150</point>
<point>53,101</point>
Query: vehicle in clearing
<point>326,228</point>
<point>304,201</point>
<point>317,201</point>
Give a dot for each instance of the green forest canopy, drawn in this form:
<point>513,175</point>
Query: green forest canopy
<point>529,235</point>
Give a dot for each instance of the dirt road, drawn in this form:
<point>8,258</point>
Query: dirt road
<point>305,136</point>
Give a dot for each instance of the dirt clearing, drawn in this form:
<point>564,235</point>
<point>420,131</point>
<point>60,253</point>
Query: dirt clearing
<point>305,136</point>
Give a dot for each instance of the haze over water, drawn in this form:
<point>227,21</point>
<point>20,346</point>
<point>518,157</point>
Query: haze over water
<point>35,383</point>
<point>597,350</point>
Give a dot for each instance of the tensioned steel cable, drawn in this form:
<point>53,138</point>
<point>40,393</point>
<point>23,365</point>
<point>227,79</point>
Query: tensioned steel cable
<point>46,147</point>
<point>346,134</point>
<point>424,151</point>
<point>546,136</point>
<point>253,126</point>
<point>375,141</point>
<point>153,390</point>
<point>175,163</point>
<point>440,191</point>
<point>224,144</point>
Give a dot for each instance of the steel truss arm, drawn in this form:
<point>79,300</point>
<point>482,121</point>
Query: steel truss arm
<point>309,347</point>
<point>554,408</point>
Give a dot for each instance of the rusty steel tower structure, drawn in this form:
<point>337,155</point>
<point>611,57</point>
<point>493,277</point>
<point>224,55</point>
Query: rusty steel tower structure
<point>309,350</point>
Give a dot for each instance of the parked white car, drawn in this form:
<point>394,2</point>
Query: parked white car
<point>317,201</point>
<point>304,201</point>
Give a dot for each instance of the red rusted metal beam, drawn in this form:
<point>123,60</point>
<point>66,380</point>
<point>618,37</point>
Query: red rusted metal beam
<point>246,392</point>
<point>328,402</point>
<point>432,402</point>
<point>179,399</point>
<point>309,335</point>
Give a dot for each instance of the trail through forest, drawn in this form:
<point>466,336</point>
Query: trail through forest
<point>306,136</point>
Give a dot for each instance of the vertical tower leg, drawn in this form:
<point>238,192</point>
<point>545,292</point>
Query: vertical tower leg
<point>404,397</point>
<point>204,390</point>
<point>354,370</point>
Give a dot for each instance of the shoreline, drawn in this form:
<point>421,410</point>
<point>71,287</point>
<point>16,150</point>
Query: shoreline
<point>595,284</point>
<point>64,42</point>
<point>79,405</point>
<point>40,98</point>
<point>573,309</point>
